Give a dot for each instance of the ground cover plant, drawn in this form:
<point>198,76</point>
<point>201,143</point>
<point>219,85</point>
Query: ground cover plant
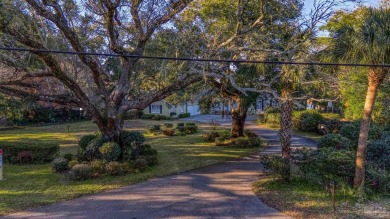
<point>34,185</point>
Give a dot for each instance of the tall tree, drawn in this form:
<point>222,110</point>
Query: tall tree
<point>366,42</point>
<point>112,26</point>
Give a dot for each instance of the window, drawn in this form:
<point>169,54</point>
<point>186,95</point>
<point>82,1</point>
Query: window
<point>156,109</point>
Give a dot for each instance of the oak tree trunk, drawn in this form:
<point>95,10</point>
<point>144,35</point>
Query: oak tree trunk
<point>375,78</point>
<point>238,120</point>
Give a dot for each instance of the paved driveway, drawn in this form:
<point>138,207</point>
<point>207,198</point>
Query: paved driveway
<point>219,191</point>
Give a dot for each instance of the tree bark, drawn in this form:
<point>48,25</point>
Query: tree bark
<point>285,135</point>
<point>238,120</point>
<point>375,78</point>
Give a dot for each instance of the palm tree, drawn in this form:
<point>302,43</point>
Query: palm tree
<point>367,42</point>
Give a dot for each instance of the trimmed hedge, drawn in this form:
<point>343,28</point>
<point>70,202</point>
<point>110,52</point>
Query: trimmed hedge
<point>184,115</point>
<point>40,153</point>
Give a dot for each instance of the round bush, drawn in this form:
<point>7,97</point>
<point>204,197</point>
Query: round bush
<point>140,164</point>
<point>333,126</point>
<point>168,131</point>
<point>309,120</point>
<point>79,172</point>
<point>128,137</point>
<point>59,164</point>
<point>72,163</point>
<point>92,150</point>
<point>83,143</point>
<point>335,141</point>
<point>115,168</point>
<point>110,151</point>
<point>210,136</point>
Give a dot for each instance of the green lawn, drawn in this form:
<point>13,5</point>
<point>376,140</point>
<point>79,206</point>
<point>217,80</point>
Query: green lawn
<point>34,185</point>
<point>302,199</point>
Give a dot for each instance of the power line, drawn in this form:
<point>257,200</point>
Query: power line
<point>195,59</point>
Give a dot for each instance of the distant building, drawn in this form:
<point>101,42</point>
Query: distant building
<point>163,108</point>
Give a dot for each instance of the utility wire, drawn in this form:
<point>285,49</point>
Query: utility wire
<point>195,59</point>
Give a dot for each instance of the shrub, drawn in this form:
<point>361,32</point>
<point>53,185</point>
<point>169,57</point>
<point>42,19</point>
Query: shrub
<point>68,156</point>
<point>139,114</point>
<point>350,131</point>
<point>168,131</point>
<point>225,134</point>
<point>59,164</point>
<point>272,110</point>
<point>184,115</point>
<point>168,125</point>
<point>210,136</point>
<point>273,118</point>
<point>140,164</point>
<point>378,153</point>
<point>334,141</point>
<point>274,164</point>
<point>72,163</point>
<point>309,120</point>
<point>128,137</point>
<point>333,126</point>
<point>188,129</point>
<point>79,172</point>
<point>326,164</point>
<point>248,133</point>
<point>160,117</point>
<point>255,142</point>
<point>40,152</point>
<point>98,167</point>
<point>114,168</point>
<point>220,141</point>
<point>83,143</point>
<point>240,142</point>
<point>91,152</point>
<point>374,133</point>
<point>110,151</point>
<point>172,114</point>
<point>377,179</point>
<point>180,124</point>
<point>147,116</point>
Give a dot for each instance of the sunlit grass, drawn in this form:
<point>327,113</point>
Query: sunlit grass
<point>34,185</point>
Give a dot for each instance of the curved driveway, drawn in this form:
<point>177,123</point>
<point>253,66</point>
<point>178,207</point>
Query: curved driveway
<point>218,191</point>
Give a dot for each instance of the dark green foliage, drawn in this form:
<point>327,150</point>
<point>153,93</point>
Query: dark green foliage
<point>147,116</point>
<point>246,142</point>
<point>83,143</point>
<point>92,152</point>
<point>335,141</point>
<point>210,136</point>
<point>374,133</point>
<point>378,153</point>
<point>333,126</point>
<point>110,151</point>
<point>377,179</point>
<point>180,124</point>
<point>188,129</point>
<point>171,114</point>
<point>79,172</point>
<point>326,165</point>
<point>129,137</point>
<point>68,156</point>
<point>274,164</point>
<point>140,114</point>
<point>184,115</point>
<point>114,168</point>
<point>309,120</point>
<point>350,131</point>
<point>168,131</point>
<point>40,152</point>
<point>59,164</point>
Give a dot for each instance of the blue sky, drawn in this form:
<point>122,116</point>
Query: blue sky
<point>374,3</point>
